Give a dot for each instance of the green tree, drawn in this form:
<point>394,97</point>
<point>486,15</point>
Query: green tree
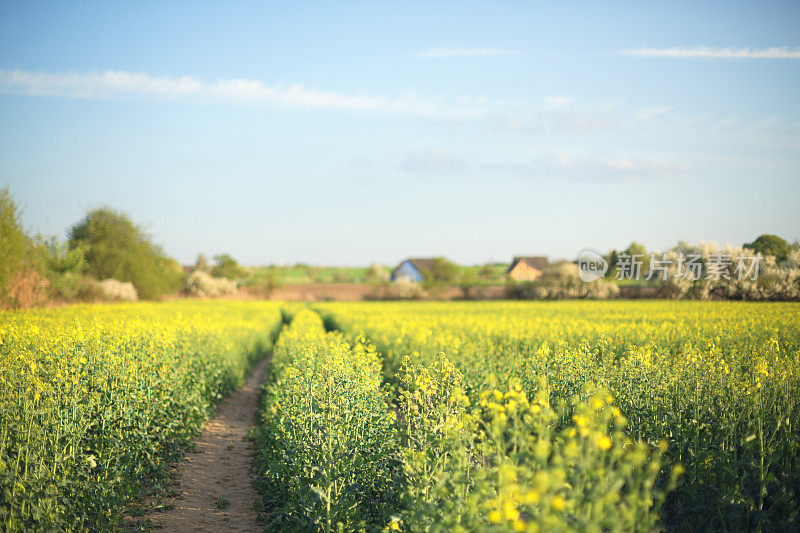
<point>612,259</point>
<point>60,258</point>
<point>117,248</point>
<point>18,258</point>
<point>227,267</point>
<point>770,245</point>
<point>487,272</point>
<point>441,272</point>
<point>637,249</point>
<point>202,263</point>
<point>467,282</point>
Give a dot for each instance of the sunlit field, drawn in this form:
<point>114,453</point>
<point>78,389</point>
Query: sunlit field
<point>526,416</point>
<point>438,416</point>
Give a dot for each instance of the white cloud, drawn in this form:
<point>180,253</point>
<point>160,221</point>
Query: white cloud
<point>589,169</point>
<point>432,161</point>
<point>556,102</point>
<point>452,53</point>
<point>115,83</point>
<point>708,52</point>
<point>650,112</point>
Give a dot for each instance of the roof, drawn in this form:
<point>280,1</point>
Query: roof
<point>419,263</point>
<point>539,262</point>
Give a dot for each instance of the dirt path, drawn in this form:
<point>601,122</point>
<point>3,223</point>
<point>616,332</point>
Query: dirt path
<point>214,484</point>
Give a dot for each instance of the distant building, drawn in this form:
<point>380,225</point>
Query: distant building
<point>411,269</point>
<point>527,268</point>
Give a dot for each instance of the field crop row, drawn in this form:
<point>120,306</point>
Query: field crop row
<point>95,400</point>
<point>717,385</point>
<point>340,451</point>
<point>327,448</point>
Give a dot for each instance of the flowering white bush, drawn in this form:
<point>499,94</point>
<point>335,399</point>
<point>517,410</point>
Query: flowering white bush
<point>204,285</point>
<point>563,281</point>
<point>118,291</point>
<point>773,281</point>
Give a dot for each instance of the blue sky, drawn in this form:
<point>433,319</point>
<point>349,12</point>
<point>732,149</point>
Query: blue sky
<point>346,133</point>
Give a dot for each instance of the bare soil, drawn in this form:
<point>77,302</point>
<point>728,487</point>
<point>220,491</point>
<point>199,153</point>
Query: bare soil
<point>214,490</point>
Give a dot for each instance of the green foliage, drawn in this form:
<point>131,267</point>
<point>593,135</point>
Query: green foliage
<point>201,264</point>
<point>467,282</point>
<point>116,248</point>
<point>770,245</point>
<point>487,272</point>
<point>226,266</point>
<point>637,249</point>
<point>263,281</point>
<point>14,242</point>
<point>302,274</point>
<point>21,281</point>
<point>60,258</point>
<point>441,272</point>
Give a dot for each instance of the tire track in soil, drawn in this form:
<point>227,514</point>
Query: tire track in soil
<point>221,467</point>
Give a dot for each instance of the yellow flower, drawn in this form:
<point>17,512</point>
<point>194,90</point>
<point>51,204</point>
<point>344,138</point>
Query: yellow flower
<point>494,516</point>
<point>558,503</point>
<point>518,525</point>
<point>510,511</point>
<point>532,497</point>
<point>604,443</point>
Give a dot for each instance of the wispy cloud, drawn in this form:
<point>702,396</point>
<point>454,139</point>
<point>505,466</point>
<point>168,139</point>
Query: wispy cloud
<point>452,53</point>
<point>432,161</point>
<point>552,166</point>
<point>558,119</point>
<point>709,52</point>
<point>116,83</point>
<point>596,169</point>
<point>650,112</point>
<point>556,102</point>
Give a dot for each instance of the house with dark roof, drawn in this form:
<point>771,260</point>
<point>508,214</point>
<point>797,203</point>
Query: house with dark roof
<point>411,269</point>
<point>527,268</point>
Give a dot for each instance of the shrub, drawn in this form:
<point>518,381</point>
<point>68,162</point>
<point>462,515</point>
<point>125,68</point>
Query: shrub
<point>21,281</point>
<point>561,281</point>
<point>204,285</point>
<point>376,274</point>
<point>118,291</point>
<point>227,267</point>
<point>775,281</point>
<point>27,288</point>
